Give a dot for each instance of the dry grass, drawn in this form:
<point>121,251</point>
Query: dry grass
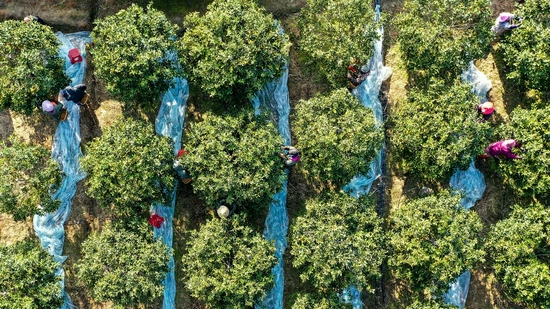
<point>12,231</point>
<point>61,15</point>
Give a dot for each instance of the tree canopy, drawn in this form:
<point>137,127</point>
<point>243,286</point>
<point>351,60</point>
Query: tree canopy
<point>319,301</point>
<point>28,278</point>
<point>439,38</point>
<point>227,264</point>
<point>436,130</point>
<point>233,50</point>
<point>124,265</point>
<point>333,33</point>
<point>28,178</point>
<point>337,137</point>
<point>233,157</point>
<point>134,54</point>
<point>527,48</point>
<point>432,241</point>
<point>430,304</point>
<point>32,70</point>
<point>338,242</point>
<point>529,127</point>
<point>129,167</point>
<point>519,249</point>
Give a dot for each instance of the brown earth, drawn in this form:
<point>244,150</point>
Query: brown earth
<point>86,216</point>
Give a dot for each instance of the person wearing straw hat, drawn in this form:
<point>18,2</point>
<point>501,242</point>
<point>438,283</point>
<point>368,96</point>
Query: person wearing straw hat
<point>223,210</point>
<point>504,22</point>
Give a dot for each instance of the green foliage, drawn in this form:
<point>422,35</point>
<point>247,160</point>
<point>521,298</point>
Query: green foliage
<point>228,265</point>
<point>439,38</point>
<point>28,178</point>
<point>124,265</point>
<point>436,131</point>
<point>31,71</point>
<point>319,301</point>
<point>337,137</point>
<point>234,49</point>
<point>338,243</point>
<point>233,157</point>
<point>528,175</point>
<point>527,48</point>
<point>134,54</point>
<point>335,31</point>
<point>519,249</point>
<point>28,279</point>
<point>129,167</point>
<point>430,304</point>
<point>433,240</point>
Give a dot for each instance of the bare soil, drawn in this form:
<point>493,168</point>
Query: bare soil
<point>86,216</point>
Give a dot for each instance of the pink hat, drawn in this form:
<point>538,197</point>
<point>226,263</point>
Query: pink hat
<point>487,108</point>
<point>47,106</point>
<point>504,17</point>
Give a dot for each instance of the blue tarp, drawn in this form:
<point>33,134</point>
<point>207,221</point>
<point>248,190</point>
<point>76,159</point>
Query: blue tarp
<point>66,150</point>
<point>368,93</point>
<point>169,122</point>
<point>479,82</point>
<point>274,97</point>
<point>470,182</point>
<point>458,291</point>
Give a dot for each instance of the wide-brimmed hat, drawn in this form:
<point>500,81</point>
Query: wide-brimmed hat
<point>223,211</point>
<point>47,106</point>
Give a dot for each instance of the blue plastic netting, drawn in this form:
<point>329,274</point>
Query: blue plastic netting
<point>352,295</point>
<point>458,292</point>
<point>66,150</point>
<point>479,82</point>
<point>169,122</point>
<point>470,183</point>
<point>274,97</point>
<point>368,93</point>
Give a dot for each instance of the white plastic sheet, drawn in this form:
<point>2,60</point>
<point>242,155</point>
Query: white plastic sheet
<point>368,93</point>
<point>470,183</point>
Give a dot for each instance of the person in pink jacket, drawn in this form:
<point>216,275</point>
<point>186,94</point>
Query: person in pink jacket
<point>503,149</point>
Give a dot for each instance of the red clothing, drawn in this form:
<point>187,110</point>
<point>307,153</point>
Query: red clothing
<point>156,220</point>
